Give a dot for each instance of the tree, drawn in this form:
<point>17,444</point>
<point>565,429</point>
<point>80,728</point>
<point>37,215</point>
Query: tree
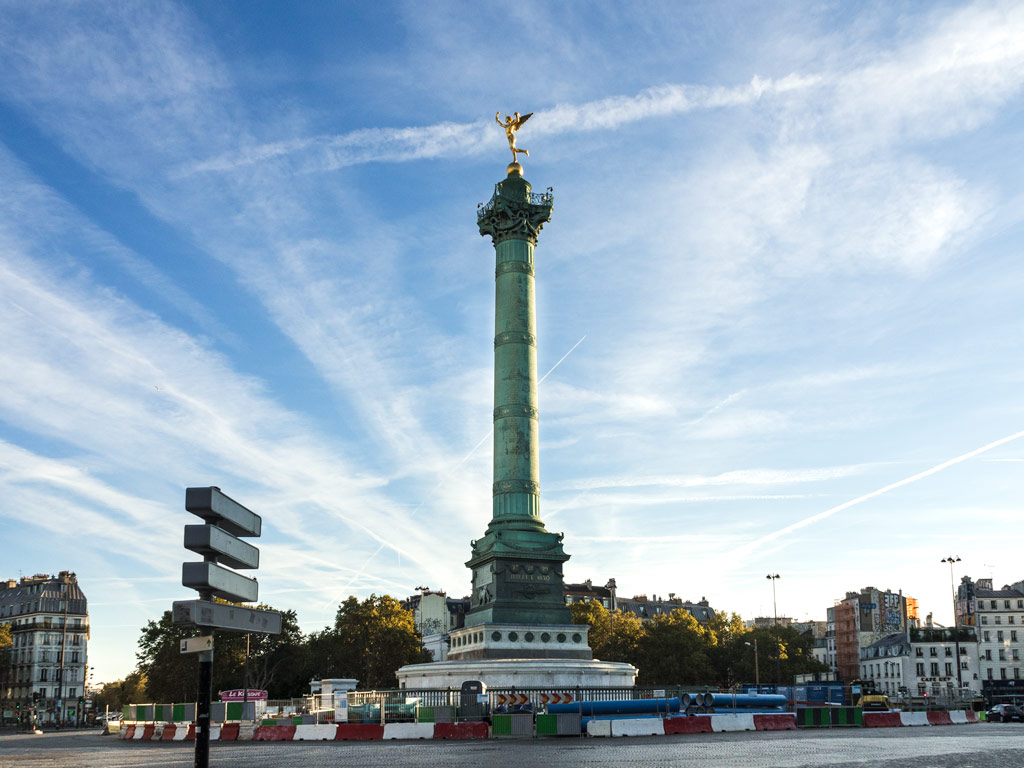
<point>131,690</point>
<point>173,676</point>
<point>673,650</point>
<point>6,644</point>
<point>370,640</point>
<point>613,636</point>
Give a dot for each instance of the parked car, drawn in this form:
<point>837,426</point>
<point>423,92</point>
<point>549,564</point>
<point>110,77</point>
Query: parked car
<point>1005,713</point>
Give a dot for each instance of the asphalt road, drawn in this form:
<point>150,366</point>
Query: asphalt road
<point>985,745</point>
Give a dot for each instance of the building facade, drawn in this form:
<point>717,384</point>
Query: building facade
<point>859,620</point>
<point>998,617</point>
<point>49,620</point>
<point>436,615</point>
<point>922,663</point>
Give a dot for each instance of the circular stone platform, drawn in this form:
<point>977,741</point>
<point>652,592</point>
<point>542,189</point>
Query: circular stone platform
<point>519,673</point>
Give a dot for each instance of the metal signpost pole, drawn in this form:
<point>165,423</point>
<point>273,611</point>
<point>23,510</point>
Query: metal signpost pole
<point>203,709</point>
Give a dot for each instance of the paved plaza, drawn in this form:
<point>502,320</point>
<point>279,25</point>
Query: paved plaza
<point>987,745</point>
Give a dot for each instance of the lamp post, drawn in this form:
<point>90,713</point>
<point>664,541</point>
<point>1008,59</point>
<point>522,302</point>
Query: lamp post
<point>778,645</point>
<point>956,624</point>
<point>757,667</point>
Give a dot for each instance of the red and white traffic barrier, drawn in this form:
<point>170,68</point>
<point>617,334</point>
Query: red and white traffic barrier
<point>654,726</point>
<point>322,732</point>
<point>914,719</point>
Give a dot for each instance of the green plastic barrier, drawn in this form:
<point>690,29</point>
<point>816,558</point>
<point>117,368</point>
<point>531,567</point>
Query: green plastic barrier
<point>425,715</point>
<point>501,725</point>
<point>547,725</point>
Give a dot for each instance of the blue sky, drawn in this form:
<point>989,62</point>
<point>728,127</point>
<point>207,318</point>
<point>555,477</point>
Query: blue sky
<point>238,248</point>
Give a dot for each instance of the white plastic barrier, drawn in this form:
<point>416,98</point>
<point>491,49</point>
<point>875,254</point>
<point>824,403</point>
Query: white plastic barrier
<point>140,730</point>
<point>180,731</point>
<point>214,733</point>
<point>313,732</point>
<point>638,726</point>
<point>246,731</point>
<point>599,728</point>
<point>409,731</point>
<point>158,731</point>
<point>721,723</point>
<point>958,717</point>
<point>914,718</point>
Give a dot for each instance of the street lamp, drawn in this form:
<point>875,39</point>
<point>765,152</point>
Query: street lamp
<point>757,667</point>
<point>956,628</point>
<point>778,645</point>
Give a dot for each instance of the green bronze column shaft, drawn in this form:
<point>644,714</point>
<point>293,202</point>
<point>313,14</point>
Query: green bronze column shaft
<point>514,218</point>
<point>516,490</point>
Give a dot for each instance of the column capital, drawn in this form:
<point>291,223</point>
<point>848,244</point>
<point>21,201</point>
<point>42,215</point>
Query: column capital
<point>514,212</point>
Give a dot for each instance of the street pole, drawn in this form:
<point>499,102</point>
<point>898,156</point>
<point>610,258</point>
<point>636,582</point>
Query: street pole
<point>956,626</point>
<point>203,703</point>
<point>757,668</point>
<point>245,692</point>
<point>778,642</point>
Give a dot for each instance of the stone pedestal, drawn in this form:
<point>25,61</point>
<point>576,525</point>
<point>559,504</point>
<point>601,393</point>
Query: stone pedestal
<point>564,674</point>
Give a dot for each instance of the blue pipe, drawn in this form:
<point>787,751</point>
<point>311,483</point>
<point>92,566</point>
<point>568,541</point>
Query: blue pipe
<point>621,707</point>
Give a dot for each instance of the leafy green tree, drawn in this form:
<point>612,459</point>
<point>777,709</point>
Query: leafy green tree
<point>673,650</point>
<point>131,690</point>
<point>173,676</point>
<point>613,636</point>
<point>6,644</point>
<point>370,640</point>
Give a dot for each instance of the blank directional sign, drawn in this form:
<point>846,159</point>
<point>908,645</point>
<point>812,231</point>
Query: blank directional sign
<point>213,542</point>
<point>202,613</point>
<point>221,510</point>
<point>219,581</point>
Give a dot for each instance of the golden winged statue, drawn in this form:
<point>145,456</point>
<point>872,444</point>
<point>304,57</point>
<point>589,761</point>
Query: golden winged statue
<point>511,125</point>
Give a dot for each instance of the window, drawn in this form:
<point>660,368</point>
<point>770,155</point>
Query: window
<point>999,619</point>
<point>1016,673</point>
<point>1016,654</point>
<point>933,651</point>
<point>963,665</point>
<point>1009,619</point>
<point>919,651</point>
<point>990,673</point>
<point>1002,673</point>
<point>984,619</point>
<point>71,693</point>
<point>1013,635</point>
<point>999,635</point>
<point>920,669</point>
<point>935,668</point>
<point>985,635</point>
<point>1006,605</point>
<point>949,668</point>
<point>988,655</point>
<point>1002,654</point>
<point>992,604</point>
<point>42,675</point>
<point>1020,603</point>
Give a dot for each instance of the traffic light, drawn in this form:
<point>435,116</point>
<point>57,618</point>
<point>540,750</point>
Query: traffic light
<point>17,706</point>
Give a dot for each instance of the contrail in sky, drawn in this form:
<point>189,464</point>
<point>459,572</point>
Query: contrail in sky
<point>751,546</point>
<point>465,458</point>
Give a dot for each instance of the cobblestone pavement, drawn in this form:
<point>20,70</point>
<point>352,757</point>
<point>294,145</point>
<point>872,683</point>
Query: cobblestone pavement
<point>988,745</point>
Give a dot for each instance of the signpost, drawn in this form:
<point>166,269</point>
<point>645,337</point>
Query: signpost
<point>217,541</point>
<point>197,644</point>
